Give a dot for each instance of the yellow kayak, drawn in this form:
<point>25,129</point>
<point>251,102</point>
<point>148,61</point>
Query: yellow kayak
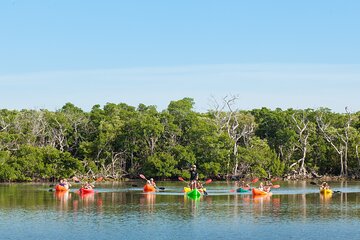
<point>326,191</point>
<point>187,189</point>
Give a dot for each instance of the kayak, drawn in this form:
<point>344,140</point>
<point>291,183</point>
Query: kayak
<point>194,194</point>
<point>84,190</point>
<point>256,191</point>
<point>60,188</point>
<point>243,190</point>
<point>187,189</point>
<point>149,188</point>
<point>326,191</point>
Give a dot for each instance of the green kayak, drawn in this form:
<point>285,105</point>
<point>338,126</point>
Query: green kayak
<point>242,190</point>
<point>194,194</point>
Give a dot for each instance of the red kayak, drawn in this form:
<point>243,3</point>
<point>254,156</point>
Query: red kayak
<point>60,188</point>
<point>84,190</point>
<point>149,188</point>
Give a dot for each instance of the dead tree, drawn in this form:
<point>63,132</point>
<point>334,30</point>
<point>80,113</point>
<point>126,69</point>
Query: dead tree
<point>235,124</point>
<point>302,129</point>
<point>333,135</point>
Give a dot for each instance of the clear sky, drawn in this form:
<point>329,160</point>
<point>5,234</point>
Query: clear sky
<point>287,54</point>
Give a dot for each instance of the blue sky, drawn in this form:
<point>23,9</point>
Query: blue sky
<point>298,54</point>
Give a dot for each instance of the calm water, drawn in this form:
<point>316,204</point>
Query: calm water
<point>122,211</point>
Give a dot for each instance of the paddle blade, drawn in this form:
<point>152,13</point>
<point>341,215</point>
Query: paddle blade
<point>313,183</point>
<point>181,179</point>
<point>255,180</point>
<point>208,181</point>
<point>142,176</point>
<point>99,179</point>
<point>275,186</point>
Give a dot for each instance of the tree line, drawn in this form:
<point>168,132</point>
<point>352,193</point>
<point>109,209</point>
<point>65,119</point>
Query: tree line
<point>120,141</point>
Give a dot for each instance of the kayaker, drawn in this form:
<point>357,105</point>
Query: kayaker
<point>244,185</point>
<point>267,186</point>
<point>268,183</point>
<point>61,183</point>
<point>261,186</point>
<point>324,186</point>
<point>199,185</point>
<point>193,176</point>
<point>264,188</point>
<point>64,183</point>
<point>67,184</point>
<point>88,185</point>
<point>152,183</point>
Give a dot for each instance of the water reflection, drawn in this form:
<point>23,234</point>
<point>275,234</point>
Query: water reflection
<point>295,211</point>
<point>325,198</point>
<point>147,202</point>
<point>63,200</point>
<point>192,205</point>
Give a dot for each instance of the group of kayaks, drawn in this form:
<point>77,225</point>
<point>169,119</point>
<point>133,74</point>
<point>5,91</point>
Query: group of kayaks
<point>254,191</point>
<point>60,188</point>
<point>192,193</point>
<point>196,193</point>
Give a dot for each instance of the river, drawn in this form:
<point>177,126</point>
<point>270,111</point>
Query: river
<point>296,210</point>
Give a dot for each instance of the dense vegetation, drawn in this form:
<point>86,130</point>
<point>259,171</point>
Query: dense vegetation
<point>121,141</point>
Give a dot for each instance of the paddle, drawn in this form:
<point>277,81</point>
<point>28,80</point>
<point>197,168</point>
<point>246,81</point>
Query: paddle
<point>207,182</point>
<point>99,179</point>
<point>143,177</point>
<point>181,179</point>
<point>255,180</point>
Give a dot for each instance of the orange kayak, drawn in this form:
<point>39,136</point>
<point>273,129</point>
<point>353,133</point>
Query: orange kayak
<point>149,188</point>
<point>60,188</point>
<point>256,191</point>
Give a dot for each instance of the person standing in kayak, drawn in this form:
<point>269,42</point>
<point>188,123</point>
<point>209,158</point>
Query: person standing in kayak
<point>193,176</point>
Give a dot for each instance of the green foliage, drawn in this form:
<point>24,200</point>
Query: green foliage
<point>119,140</point>
<point>161,165</point>
<point>261,159</point>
